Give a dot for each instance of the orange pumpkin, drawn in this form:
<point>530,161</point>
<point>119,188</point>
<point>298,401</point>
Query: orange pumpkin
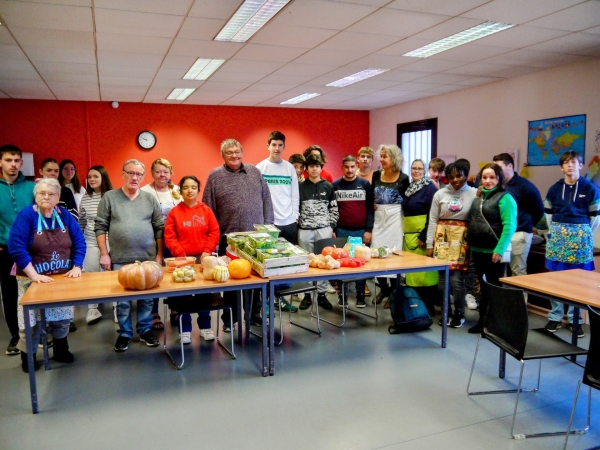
<point>141,275</point>
<point>239,268</point>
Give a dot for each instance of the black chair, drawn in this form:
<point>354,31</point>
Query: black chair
<point>591,373</point>
<point>190,305</point>
<point>340,242</point>
<point>506,326</point>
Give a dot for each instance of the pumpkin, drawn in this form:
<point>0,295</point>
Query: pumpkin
<point>221,274</point>
<point>239,268</point>
<point>140,275</point>
<point>362,251</point>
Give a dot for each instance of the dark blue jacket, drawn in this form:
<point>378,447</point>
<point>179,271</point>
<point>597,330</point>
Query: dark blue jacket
<point>530,207</point>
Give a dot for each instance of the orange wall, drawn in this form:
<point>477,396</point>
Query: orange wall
<point>93,133</point>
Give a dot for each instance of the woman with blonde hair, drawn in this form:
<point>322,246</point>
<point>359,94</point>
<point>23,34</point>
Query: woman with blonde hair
<point>168,197</point>
<point>389,187</point>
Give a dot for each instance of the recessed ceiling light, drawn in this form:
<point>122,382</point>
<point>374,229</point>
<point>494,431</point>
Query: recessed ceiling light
<point>249,18</point>
<point>356,77</point>
<point>299,99</point>
<point>464,37</point>
<point>180,93</point>
<point>203,68</point>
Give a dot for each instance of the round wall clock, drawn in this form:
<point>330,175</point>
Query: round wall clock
<point>146,139</point>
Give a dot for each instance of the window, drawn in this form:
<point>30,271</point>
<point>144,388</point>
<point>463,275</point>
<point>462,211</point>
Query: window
<point>418,140</point>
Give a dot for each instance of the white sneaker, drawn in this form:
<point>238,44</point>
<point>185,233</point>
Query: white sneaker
<point>471,301</point>
<point>186,337</point>
<point>115,313</point>
<point>207,334</point>
<point>93,316</point>
<point>331,289</point>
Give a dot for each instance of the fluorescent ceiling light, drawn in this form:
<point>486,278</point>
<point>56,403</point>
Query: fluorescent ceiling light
<point>180,93</point>
<point>464,37</point>
<point>299,99</point>
<point>249,18</point>
<point>203,68</point>
<point>356,77</point>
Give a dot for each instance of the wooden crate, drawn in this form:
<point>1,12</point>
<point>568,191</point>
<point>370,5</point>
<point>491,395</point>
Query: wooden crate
<point>276,266</point>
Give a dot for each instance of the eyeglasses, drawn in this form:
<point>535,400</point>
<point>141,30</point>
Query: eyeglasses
<point>47,194</point>
<point>162,172</point>
<point>135,174</point>
<point>234,153</point>
<point>418,169</point>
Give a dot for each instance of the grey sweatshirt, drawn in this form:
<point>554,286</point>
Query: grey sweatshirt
<point>449,204</point>
<point>133,225</point>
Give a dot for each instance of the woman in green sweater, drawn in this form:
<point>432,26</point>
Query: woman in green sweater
<point>492,224</point>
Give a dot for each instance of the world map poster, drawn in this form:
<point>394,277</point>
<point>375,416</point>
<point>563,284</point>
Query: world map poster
<point>550,138</point>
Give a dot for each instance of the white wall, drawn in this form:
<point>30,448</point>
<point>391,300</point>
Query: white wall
<point>482,121</point>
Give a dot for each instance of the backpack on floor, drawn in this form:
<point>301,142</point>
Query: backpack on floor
<point>408,311</point>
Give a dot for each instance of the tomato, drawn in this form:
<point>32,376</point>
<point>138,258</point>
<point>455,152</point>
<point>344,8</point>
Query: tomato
<point>339,253</point>
<point>344,262</point>
<point>359,261</point>
<point>352,263</point>
<point>327,251</point>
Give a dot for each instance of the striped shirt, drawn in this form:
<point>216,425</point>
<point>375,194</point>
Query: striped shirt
<point>88,209</point>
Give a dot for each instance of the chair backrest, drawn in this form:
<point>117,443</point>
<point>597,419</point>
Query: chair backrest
<point>591,374</point>
<point>506,322</point>
<point>322,243</point>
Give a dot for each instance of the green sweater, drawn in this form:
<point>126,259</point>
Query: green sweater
<point>508,214</point>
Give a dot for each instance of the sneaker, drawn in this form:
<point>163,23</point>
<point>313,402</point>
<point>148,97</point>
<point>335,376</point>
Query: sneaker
<point>49,342</point>
<point>367,291</point>
<point>93,316</point>
<point>306,302</point>
<point>186,337</point>
<point>12,346</point>
<point>323,302</point>
<point>553,325</point>
<point>449,318</point>
<point>471,301</point>
<point>207,334</point>
<point>115,314</point>
<point>122,344</point>
<point>297,298</point>
<point>580,332</point>
<point>341,303</point>
<point>457,320</point>
<point>285,306</point>
<point>149,338</point>
<point>331,289</point>
<point>360,301</point>
<point>227,327</point>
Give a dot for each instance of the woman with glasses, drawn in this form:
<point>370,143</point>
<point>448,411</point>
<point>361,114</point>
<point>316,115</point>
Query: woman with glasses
<point>168,197</point>
<point>98,183</point>
<point>46,240</point>
<point>68,178</point>
<point>417,203</point>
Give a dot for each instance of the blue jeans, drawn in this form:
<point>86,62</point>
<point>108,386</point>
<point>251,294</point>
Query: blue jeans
<point>558,311</point>
<point>144,315</point>
<point>344,233</point>
<point>203,321</point>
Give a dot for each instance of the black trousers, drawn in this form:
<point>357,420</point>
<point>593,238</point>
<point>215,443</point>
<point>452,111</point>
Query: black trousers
<point>492,271</point>
<point>10,292</point>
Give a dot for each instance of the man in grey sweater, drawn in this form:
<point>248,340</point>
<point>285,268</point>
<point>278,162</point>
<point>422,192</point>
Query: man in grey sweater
<point>134,222</point>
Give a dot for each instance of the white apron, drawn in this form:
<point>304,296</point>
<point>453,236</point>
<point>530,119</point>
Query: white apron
<point>388,228</point>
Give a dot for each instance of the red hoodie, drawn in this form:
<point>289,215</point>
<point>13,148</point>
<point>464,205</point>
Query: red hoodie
<point>191,231</point>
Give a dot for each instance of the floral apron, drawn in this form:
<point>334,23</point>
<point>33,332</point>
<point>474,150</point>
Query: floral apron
<point>570,246</point>
<point>50,255</point>
<point>450,243</point>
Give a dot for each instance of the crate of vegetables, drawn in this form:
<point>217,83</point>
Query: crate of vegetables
<point>271,230</point>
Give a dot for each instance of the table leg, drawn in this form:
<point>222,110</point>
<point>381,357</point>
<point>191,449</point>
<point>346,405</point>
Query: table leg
<point>502,364</point>
<point>44,336</point>
<point>239,318</point>
<point>271,329</point>
<point>445,307</point>
<point>30,365</point>
<point>265,332</point>
<point>575,330</point>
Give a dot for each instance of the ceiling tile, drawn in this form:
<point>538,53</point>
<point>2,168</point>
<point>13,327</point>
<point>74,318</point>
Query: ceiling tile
<point>11,52</point>
<point>242,65</point>
<point>322,14</point>
<point>404,46</point>
<point>518,11</point>
<point>448,28</point>
<point>237,77</point>
<point>41,15</point>
<point>416,86</point>
<point>514,71</point>
<point>204,49</point>
<point>129,59</point>
<point>63,76</point>
<point>174,7</point>
<point>594,30</point>
<point>364,43</point>
<point>577,18</point>
<point>136,23</point>
<point>470,53</point>
<point>432,65</point>
<point>26,89</point>
<point>317,56</point>
<point>124,81</point>
<point>5,37</point>
<point>202,97</point>
<point>222,9</point>
<point>452,8</point>
<point>126,71</point>
<point>289,36</point>
<point>401,75</point>
<point>162,82</point>
<point>269,87</point>
<point>3,95</point>
<point>378,61</point>
<point>444,89</point>
<point>178,62</point>
<point>133,44</point>
<point>278,78</point>
<point>82,86</point>
<point>475,81</point>
<point>258,52</point>
<point>309,70</point>
<point>520,36</point>
<point>232,87</point>
<point>576,44</point>
<point>398,23</point>
<point>61,55</point>
<point>478,68</point>
<point>19,74</point>
<point>16,64</point>
<point>534,58</point>
<point>201,28</point>
<point>171,74</point>
<point>442,78</point>
<point>41,37</point>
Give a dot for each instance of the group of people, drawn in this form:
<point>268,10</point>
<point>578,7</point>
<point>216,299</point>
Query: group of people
<point>56,226</point>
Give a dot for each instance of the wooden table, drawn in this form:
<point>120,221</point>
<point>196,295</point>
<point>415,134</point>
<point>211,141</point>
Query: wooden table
<point>577,287</point>
<point>404,262</point>
<point>103,287</point>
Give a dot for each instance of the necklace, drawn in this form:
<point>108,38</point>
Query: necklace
<point>158,198</point>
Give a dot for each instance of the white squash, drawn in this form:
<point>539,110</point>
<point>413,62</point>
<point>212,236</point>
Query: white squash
<point>363,252</point>
<point>208,267</point>
<point>221,274</point>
